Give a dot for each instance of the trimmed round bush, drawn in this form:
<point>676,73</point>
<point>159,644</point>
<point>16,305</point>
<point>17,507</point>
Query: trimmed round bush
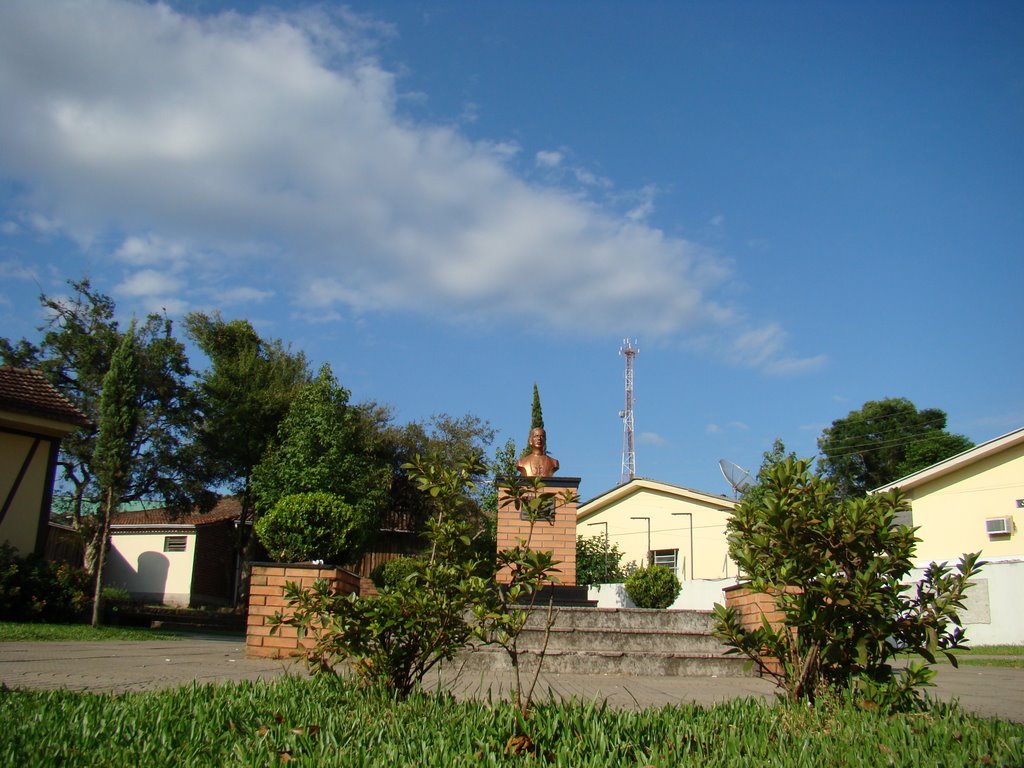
<point>303,527</point>
<point>393,573</point>
<point>653,587</point>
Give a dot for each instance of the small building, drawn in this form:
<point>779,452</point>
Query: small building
<point>34,417</point>
<point>973,502</point>
<point>173,559</point>
<point>666,524</point>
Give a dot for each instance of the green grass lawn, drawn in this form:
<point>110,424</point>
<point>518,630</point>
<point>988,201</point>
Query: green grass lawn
<point>18,632</point>
<point>330,722</point>
<point>1007,656</point>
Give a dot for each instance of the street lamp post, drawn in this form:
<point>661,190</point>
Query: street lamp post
<point>689,515</point>
<point>650,555</point>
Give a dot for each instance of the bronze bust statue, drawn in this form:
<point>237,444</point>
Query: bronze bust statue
<point>537,463</point>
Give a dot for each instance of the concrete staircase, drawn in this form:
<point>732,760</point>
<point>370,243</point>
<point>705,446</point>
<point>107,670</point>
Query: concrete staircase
<point>616,641</point>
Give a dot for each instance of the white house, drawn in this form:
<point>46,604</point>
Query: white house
<point>971,502</point>
<point>190,559</point>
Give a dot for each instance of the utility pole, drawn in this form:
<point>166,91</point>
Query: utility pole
<point>628,442</point>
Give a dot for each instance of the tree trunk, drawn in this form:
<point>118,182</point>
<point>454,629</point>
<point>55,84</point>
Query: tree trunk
<point>101,558</point>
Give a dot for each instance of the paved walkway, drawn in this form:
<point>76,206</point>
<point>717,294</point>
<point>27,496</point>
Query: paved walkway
<point>155,665</point>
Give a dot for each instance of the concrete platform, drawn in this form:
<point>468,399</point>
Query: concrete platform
<point>156,665</point>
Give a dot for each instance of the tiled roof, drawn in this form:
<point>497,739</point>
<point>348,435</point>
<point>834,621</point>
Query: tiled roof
<point>27,391</point>
<point>227,508</point>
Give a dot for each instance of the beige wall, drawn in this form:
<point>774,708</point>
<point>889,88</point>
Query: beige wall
<point>951,510</point>
<point>137,562</point>
<point>668,531</point>
<point>20,526</point>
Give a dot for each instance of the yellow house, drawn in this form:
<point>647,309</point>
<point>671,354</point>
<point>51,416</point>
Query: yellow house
<point>673,526</point>
<point>975,501</point>
<point>33,418</point>
<point>972,501</point>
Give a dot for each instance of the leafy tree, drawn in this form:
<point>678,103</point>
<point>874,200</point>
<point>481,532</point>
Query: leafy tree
<point>598,561</point>
<point>243,397</point>
<point>884,441</point>
<point>769,459</point>
<point>78,342</point>
<point>837,568</point>
<point>112,457</point>
<point>323,445</point>
<point>536,413</point>
<point>653,586</point>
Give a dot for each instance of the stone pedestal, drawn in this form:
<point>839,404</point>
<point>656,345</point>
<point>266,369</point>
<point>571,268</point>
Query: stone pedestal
<point>556,533</point>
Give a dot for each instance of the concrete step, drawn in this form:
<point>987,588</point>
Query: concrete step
<point>626,618</point>
<point>604,663</point>
<point>615,641</point>
<point>623,641</point>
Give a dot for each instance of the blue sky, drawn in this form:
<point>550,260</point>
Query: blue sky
<point>793,207</point>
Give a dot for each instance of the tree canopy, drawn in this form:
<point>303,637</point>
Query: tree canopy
<point>884,441</point>
<point>75,352</point>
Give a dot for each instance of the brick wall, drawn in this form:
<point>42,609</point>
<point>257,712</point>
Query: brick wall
<point>557,535</point>
<point>752,607</point>
<point>266,598</point>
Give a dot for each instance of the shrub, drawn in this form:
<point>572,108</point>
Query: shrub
<point>852,612</point>
<point>33,589</point>
<point>598,562</point>
<point>393,573</point>
<point>314,526</point>
<point>653,587</point>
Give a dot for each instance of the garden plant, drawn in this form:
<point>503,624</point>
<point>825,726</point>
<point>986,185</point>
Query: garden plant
<point>838,569</point>
<point>653,587</point>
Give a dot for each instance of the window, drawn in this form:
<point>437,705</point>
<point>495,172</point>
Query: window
<point>669,558</point>
<point>175,543</point>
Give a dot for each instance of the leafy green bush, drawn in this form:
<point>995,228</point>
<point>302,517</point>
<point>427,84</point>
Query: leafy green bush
<point>394,573</point>
<point>33,589</point>
<point>598,562</point>
<point>653,587</point>
<point>303,527</point>
<point>851,611</point>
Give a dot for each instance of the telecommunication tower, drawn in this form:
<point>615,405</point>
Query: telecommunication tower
<point>629,351</point>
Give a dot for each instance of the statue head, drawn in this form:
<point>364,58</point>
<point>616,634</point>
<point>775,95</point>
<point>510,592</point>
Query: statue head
<point>538,440</point>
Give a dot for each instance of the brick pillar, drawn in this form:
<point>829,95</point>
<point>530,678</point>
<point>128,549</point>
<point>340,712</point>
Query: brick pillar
<point>557,534</point>
<point>752,607</point>
<point>266,598</point>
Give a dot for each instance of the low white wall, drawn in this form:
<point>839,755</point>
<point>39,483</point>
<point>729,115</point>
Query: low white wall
<point>696,595</point>
<point>994,614</point>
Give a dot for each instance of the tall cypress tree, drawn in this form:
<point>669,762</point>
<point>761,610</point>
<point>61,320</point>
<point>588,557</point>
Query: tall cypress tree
<point>536,415</point>
<point>112,458</point>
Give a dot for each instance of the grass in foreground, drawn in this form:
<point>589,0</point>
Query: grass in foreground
<point>16,632</point>
<point>330,722</point>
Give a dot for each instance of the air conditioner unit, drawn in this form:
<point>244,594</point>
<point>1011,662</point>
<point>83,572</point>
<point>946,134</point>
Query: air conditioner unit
<point>999,526</point>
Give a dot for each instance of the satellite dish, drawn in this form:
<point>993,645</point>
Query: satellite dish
<point>735,475</point>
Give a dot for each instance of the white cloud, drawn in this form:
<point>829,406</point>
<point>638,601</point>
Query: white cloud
<point>9,227</point>
<point>765,348</point>
<point>712,429</point>
<point>12,270</point>
<point>244,295</point>
<point>274,143</point>
<point>549,158</point>
<point>651,438</point>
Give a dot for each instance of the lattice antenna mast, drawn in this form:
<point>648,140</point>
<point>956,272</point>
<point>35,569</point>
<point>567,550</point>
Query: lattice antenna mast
<point>629,351</point>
